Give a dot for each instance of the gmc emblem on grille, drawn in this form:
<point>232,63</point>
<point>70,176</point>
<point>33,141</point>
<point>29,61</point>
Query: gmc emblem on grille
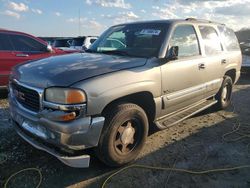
<point>19,95</point>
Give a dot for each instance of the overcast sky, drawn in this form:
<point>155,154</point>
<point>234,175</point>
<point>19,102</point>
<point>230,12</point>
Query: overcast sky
<point>61,17</point>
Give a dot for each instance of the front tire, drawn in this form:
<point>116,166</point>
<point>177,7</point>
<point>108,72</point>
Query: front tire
<point>124,134</point>
<point>225,93</point>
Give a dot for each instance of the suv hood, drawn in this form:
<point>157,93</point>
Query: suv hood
<point>67,69</point>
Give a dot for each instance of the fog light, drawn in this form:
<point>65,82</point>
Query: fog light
<point>58,115</point>
<point>68,117</point>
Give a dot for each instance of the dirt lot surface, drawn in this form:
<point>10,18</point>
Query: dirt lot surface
<point>196,143</point>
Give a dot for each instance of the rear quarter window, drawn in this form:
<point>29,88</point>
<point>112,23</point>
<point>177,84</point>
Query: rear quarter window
<point>229,38</point>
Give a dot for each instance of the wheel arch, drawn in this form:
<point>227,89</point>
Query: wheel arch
<point>232,74</point>
<point>143,99</point>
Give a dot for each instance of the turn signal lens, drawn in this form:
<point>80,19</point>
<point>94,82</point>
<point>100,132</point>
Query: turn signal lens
<point>75,96</point>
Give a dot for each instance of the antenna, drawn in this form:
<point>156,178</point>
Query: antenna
<point>79,29</point>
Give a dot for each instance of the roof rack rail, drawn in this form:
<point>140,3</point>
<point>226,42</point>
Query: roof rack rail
<point>191,19</point>
<point>202,20</point>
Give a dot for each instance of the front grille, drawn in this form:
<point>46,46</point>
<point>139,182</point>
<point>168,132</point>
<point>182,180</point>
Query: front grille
<point>28,98</point>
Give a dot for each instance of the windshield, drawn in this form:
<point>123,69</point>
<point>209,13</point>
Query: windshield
<point>140,40</point>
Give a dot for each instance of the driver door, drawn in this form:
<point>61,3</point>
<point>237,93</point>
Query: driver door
<point>182,79</point>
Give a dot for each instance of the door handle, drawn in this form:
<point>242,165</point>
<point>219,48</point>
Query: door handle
<point>202,66</point>
<point>22,55</point>
<point>223,61</point>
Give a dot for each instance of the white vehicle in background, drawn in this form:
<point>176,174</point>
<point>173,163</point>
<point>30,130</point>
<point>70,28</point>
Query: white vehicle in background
<point>82,43</point>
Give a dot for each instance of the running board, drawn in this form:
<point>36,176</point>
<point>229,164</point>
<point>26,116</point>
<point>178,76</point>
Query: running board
<point>179,116</point>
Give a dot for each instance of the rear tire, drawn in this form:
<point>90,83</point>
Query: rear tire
<point>124,134</point>
<point>225,93</point>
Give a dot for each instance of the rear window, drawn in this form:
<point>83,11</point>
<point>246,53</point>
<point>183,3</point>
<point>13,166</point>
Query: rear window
<point>5,44</point>
<point>211,40</point>
<point>229,39</point>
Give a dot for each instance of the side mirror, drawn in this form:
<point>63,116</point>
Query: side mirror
<point>173,53</point>
<point>49,48</point>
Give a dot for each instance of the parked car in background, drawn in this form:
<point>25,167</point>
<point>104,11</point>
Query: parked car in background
<point>83,43</point>
<point>17,47</point>
<point>62,42</point>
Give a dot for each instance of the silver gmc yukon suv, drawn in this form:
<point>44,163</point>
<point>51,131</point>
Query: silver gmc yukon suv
<point>135,75</point>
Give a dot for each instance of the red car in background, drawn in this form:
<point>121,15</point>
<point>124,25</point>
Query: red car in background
<point>17,47</point>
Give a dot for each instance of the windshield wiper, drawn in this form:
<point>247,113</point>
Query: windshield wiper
<point>116,52</point>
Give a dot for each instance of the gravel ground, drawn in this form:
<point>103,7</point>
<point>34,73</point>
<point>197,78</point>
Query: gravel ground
<point>197,144</point>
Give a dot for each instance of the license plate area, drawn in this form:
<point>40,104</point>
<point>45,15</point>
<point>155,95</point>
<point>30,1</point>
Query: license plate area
<point>17,118</point>
<point>34,129</point>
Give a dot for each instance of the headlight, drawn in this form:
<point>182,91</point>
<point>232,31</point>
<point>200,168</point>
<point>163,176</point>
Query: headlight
<point>65,95</point>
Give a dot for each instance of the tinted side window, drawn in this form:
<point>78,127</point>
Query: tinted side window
<point>185,38</point>
<point>26,44</point>
<point>5,44</point>
<point>211,40</point>
<point>229,38</point>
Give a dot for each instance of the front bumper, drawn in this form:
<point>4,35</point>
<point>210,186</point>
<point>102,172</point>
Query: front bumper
<point>61,139</point>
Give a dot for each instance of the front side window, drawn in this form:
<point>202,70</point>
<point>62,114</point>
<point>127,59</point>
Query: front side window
<point>26,44</point>
<point>211,40</point>
<point>138,40</point>
<point>185,38</point>
<point>229,38</point>
<point>5,44</point>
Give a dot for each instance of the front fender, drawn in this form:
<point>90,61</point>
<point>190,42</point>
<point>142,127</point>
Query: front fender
<point>104,89</point>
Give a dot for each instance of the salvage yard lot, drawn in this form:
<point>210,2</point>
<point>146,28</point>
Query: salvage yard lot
<point>199,143</point>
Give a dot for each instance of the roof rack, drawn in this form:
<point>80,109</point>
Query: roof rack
<point>191,19</point>
<point>194,19</point>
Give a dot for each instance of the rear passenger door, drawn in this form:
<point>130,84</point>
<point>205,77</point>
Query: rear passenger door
<point>214,59</point>
<point>182,79</point>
